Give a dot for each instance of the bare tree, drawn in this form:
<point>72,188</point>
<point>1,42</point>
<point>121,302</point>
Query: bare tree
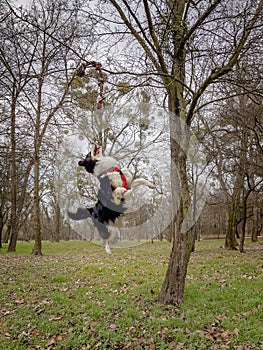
<point>186,47</point>
<point>234,145</point>
<point>37,79</point>
<point>14,79</point>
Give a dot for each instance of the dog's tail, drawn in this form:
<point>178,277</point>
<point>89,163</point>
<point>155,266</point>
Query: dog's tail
<point>81,214</point>
<point>85,213</point>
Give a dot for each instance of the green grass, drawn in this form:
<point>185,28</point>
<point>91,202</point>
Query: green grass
<point>78,297</point>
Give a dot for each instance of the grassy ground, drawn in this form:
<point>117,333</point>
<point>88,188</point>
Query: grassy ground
<point>77,297</point>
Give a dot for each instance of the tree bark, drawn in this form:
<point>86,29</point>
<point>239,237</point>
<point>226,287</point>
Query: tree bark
<point>172,291</point>
<point>36,210</point>
<point>230,240</point>
<point>13,216</point>
<point>37,143</point>
<point>256,213</point>
<point>239,186</point>
<point>57,222</point>
<point>244,222</point>
<point>1,230</point>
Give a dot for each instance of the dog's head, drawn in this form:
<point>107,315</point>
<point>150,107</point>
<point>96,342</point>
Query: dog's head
<point>89,162</point>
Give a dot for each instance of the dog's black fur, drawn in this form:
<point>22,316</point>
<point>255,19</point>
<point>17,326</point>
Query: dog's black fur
<point>88,163</point>
<point>105,210</point>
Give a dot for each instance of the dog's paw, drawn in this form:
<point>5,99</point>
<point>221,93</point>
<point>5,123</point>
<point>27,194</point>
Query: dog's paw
<point>128,195</point>
<point>107,249</point>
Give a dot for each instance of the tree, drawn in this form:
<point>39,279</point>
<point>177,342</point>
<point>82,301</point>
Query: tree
<point>4,185</point>
<point>173,36</point>
<point>37,77</point>
<point>234,148</point>
<point>14,78</point>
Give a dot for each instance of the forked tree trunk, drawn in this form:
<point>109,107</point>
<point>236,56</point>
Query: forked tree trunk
<point>239,186</point>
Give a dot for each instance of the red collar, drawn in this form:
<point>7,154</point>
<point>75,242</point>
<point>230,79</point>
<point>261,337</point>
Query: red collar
<point>117,170</point>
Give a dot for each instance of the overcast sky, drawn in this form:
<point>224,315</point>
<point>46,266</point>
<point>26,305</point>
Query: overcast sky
<point>21,2</point>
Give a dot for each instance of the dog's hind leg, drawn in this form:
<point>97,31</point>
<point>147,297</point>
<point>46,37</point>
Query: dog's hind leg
<point>107,247</point>
<point>140,181</point>
<point>114,236</point>
<point>81,214</point>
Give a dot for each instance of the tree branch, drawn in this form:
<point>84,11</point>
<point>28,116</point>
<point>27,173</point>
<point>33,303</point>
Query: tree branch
<point>216,73</point>
<point>158,49</point>
<point>140,40</point>
<point>200,20</point>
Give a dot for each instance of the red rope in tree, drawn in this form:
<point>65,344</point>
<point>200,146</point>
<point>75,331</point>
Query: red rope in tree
<point>81,72</point>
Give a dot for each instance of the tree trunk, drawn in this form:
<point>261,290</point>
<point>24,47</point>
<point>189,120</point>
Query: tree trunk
<point>1,230</point>
<point>36,209</point>
<point>256,215</point>
<point>17,192</point>
<point>57,222</point>
<point>37,143</point>
<point>7,232</point>
<point>172,290</point>
<point>230,240</point>
<point>13,216</point>
<point>239,186</point>
<point>244,222</point>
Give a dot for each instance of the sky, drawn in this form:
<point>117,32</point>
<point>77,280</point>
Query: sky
<point>21,2</point>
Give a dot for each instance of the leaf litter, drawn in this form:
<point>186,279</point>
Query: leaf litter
<point>62,300</point>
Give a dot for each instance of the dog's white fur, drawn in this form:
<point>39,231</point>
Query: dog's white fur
<point>114,231</point>
<point>104,163</point>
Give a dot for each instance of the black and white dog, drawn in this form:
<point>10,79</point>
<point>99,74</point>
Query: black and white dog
<point>121,180</point>
<point>116,186</point>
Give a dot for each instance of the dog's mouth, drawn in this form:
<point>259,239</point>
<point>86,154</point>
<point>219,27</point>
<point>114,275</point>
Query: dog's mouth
<point>91,156</point>
<point>95,150</point>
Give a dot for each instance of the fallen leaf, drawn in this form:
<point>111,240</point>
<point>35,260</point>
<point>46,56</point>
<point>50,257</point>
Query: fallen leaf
<point>58,337</point>
<point>114,327</point>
